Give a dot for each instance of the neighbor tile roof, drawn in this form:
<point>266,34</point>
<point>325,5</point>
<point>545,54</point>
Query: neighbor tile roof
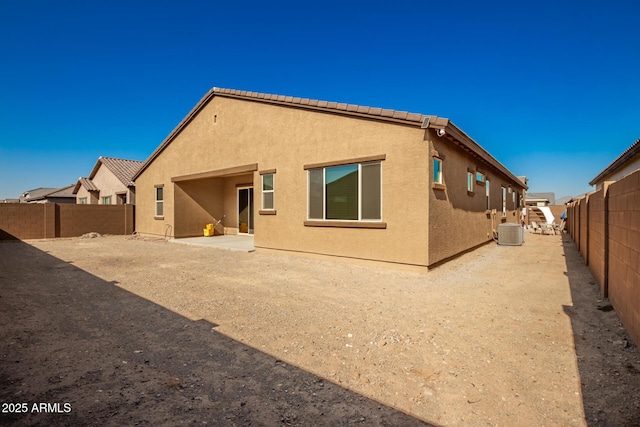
<point>86,183</point>
<point>626,155</point>
<point>123,169</point>
<point>36,193</point>
<point>62,192</point>
<point>43,193</point>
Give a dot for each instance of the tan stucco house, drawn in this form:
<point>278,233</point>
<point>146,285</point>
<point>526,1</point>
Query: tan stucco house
<point>109,183</point>
<point>326,178</point>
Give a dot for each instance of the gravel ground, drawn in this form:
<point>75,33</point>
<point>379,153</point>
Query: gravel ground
<point>145,332</point>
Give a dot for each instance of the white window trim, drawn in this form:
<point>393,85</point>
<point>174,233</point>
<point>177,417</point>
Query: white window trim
<point>470,180</point>
<point>272,191</point>
<point>157,202</point>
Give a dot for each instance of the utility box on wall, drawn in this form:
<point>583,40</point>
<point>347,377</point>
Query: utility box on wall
<point>510,234</point>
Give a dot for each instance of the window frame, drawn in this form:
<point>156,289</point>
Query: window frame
<point>360,219</point>
<point>106,199</point>
<point>158,202</point>
<point>504,200</point>
<point>470,182</point>
<point>487,184</point>
<point>267,210</point>
<point>439,178</point>
<point>82,201</point>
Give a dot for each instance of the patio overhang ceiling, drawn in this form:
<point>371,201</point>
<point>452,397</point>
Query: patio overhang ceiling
<point>219,173</point>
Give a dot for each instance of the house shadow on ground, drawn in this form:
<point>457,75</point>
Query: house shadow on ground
<point>608,362</point>
<point>96,354</point>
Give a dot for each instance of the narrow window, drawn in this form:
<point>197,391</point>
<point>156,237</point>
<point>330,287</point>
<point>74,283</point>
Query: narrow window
<point>371,191</point>
<point>504,201</point>
<point>106,200</point>
<point>316,193</point>
<point>159,202</point>
<point>267,191</point>
<point>437,170</point>
<point>488,193</point>
<point>470,182</point>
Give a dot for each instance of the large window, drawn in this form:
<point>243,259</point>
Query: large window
<point>267,191</point>
<point>350,192</point>
<point>159,202</point>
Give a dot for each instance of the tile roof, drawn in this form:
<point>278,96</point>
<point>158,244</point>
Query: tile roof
<point>352,110</point>
<point>329,106</point>
<point>36,193</point>
<point>43,193</point>
<point>618,162</point>
<point>86,183</point>
<point>123,169</point>
<point>62,192</point>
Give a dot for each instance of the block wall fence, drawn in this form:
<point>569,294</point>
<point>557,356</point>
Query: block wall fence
<point>605,225</point>
<point>22,221</point>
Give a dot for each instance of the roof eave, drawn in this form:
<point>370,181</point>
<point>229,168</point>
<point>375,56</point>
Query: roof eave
<point>457,134</point>
<point>626,155</point>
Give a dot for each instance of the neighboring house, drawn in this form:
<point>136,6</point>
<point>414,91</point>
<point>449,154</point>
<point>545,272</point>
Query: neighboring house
<point>49,195</point>
<point>109,183</point>
<point>626,163</point>
<point>326,178</point>
<point>540,199</point>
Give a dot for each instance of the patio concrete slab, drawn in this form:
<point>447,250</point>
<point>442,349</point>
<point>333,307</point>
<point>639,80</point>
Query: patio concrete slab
<point>234,243</point>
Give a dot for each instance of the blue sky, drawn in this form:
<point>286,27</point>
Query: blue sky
<point>550,89</point>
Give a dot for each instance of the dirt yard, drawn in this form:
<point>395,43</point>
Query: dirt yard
<point>116,331</point>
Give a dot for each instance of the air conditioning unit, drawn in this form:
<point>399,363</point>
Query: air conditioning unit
<point>510,234</point>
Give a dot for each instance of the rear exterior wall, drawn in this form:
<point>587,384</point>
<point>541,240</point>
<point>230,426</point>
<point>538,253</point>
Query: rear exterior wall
<point>229,133</point>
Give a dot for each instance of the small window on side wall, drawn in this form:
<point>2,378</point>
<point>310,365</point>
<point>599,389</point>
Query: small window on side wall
<point>480,177</point>
<point>437,170</point>
<point>268,191</point>
<point>106,200</point>
<point>159,202</point>
<point>469,182</point>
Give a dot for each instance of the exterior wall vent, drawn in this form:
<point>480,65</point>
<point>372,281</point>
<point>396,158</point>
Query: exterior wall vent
<point>510,234</point>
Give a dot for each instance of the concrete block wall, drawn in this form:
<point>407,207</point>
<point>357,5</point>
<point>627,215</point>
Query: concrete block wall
<point>596,238</point>
<point>24,221</point>
<point>75,220</point>
<point>606,229</point>
<point>624,251</point>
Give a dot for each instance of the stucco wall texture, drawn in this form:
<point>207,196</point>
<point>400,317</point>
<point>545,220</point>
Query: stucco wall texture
<point>613,253</point>
<point>232,133</point>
